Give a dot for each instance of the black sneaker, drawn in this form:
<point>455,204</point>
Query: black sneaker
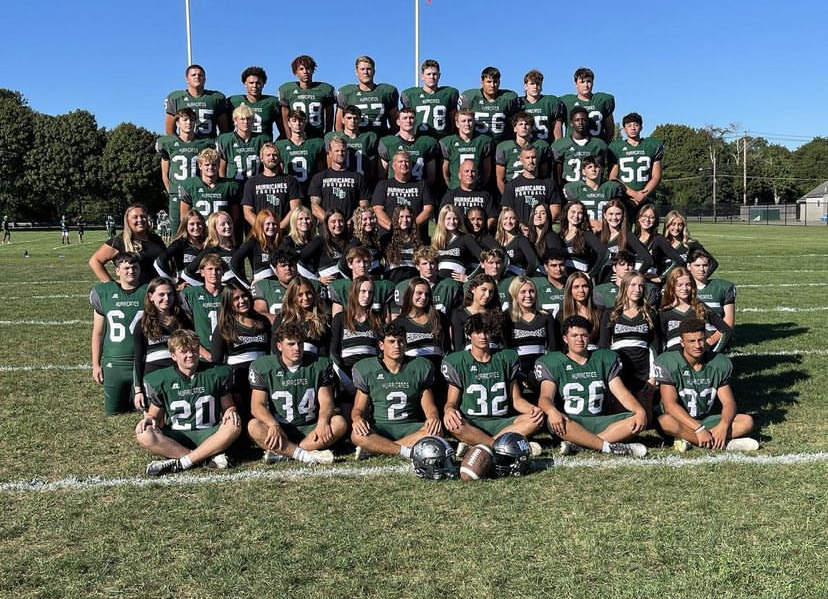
<point>159,467</point>
<point>637,450</point>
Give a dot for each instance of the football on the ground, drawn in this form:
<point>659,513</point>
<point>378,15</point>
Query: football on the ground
<point>477,463</point>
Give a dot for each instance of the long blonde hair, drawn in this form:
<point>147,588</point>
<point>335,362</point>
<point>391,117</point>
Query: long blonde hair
<point>213,238</point>
<point>440,239</point>
<point>515,311</point>
<point>622,303</point>
<point>669,298</point>
<point>130,243</point>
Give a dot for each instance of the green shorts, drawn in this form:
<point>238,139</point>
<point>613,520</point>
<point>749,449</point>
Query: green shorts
<point>192,438</point>
<point>395,430</point>
<point>598,424</point>
<point>491,425</point>
<point>297,432</point>
<point>117,385</point>
<point>711,420</point>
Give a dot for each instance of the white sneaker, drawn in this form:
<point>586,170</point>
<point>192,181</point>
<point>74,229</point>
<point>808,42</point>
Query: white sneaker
<point>462,448</point>
<point>568,448</point>
<point>742,444</point>
<point>321,456</point>
<point>636,450</point>
<point>220,461</point>
<point>535,449</point>
<point>681,445</point>
<point>361,454</point>
<point>271,457</point>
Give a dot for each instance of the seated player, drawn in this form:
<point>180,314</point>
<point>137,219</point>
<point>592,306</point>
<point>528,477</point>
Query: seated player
<point>690,382</point>
<point>573,389</point>
<point>484,398</point>
<point>191,416</point>
<point>292,402</point>
<point>117,305</point>
<point>394,406</point>
<point>551,288</point>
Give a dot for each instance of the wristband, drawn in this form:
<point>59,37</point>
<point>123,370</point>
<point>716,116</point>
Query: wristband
<point>700,429</point>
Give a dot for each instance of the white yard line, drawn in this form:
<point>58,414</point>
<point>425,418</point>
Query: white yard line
<point>45,323</point>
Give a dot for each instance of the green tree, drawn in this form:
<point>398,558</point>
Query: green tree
<point>15,140</point>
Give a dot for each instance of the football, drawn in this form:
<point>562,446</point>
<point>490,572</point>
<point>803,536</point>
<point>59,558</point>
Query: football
<point>477,463</point>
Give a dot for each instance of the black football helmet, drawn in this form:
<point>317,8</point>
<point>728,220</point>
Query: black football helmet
<point>432,458</point>
<point>511,455</point>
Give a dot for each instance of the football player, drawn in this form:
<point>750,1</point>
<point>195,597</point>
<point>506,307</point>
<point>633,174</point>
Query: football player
<point>636,162</point>
<point>423,150</point>
<point>717,294</point>
<point>315,98</point>
<point>491,106</point>
<point>209,105</point>
<point>303,156</point>
<point>466,144</point>
<point>292,402</point>
<point>569,152</point>
<point>191,416</point>
<point>361,146</point>
<point>379,102</point>
<point>239,150</point>
<point>265,108</point>
<point>551,288</point>
<point>697,403</point>
<point>598,105</point>
<point>573,388</point>
<point>548,112</point>
<point>591,191</point>
<point>202,302</point>
<point>394,405</point>
<point>434,105</point>
<point>208,192</point>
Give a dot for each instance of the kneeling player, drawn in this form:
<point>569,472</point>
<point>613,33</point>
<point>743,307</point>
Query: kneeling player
<point>191,417</point>
<point>398,388</point>
<point>690,382</point>
<point>292,402</point>
<point>572,396</point>
<point>484,399</point>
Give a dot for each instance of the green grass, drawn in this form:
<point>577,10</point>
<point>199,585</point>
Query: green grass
<point>725,529</point>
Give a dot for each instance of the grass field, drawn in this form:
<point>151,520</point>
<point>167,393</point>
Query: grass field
<point>81,520</point>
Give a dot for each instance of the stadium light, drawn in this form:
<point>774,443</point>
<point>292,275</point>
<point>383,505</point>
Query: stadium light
<point>187,25</point>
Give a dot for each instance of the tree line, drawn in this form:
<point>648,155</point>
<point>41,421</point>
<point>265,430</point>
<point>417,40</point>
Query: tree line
<point>67,164</point>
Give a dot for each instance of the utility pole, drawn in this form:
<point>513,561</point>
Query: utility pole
<point>744,169</point>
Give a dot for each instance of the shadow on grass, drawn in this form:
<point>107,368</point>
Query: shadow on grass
<point>752,333</point>
<point>764,386</point>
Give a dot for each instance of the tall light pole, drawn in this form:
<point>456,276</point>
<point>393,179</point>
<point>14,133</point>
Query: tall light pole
<point>189,40</point>
<point>416,42</point>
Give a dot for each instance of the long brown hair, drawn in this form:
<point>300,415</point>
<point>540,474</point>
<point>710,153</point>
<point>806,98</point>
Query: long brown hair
<point>184,224</point>
<point>621,302</point>
<point>227,317</point>
<point>669,298</point>
<point>349,317</point>
<point>569,307</point>
<point>313,319</point>
<point>400,238</point>
<point>150,321</point>
<point>431,311</point>
<point>579,242</point>
<point>606,233</point>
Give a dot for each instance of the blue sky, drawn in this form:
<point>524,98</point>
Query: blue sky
<point>760,65</point>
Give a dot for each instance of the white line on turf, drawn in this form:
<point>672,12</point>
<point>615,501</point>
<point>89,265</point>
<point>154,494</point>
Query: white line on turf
<point>302,473</point>
<point>757,286</point>
<point>58,296</point>
<point>782,309</point>
<point>45,367</point>
<point>803,352</point>
<point>44,323</point>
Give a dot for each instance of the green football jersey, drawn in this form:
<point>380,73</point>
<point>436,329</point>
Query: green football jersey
<point>485,387</point>
<point>208,106</point>
<point>300,160</point>
<point>266,111</point>
<point>491,117</point>
<point>432,109</point>
<point>600,108</point>
<point>395,397</point>
<point>445,295</point>
<point>581,389</point>
<point>203,309</point>
<point>200,196</point>
<point>375,105</point>
<point>361,149</point>
<point>271,291</point>
<point>122,310</point>
<point>697,389</point>
<point>507,154</point>
<point>312,101</point>
<point>292,392</point>
<point>544,112</point>
<point>422,150</point>
<point>242,156</point>
<point>593,199</point>
<point>635,163</point>
<point>716,294</point>
<point>383,293</point>
<point>550,298</point>
<point>189,403</point>
<point>456,151</point>
<point>183,158</point>
<point>569,153</point>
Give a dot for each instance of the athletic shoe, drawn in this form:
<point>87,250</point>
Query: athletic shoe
<point>462,448</point>
<point>636,450</point>
<point>568,448</point>
<point>535,449</point>
<point>742,444</point>
<point>361,454</point>
<point>321,456</point>
<point>271,457</point>
<point>681,445</point>
<point>220,461</point>
<point>159,467</point>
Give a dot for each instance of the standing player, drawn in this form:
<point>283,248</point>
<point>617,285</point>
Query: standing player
<point>636,162</point>
<point>209,105</point>
<point>507,153</point>
<point>265,108</point>
<point>435,105</point>
<point>110,226</point>
<point>466,144</point>
<point>118,306</point>
<point>6,231</point>
<point>492,107</point>
<point>202,302</point>
<point>691,381</point>
<point>64,231</point>
<point>378,102</point>
<point>239,150</point>
<point>191,416</point>
<point>573,389</point>
<point>717,294</point>
<point>422,150</point>
<point>361,146</point>
<point>179,159</point>
<point>394,405</point>
<point>272,188</point>
<point>315,98</point>
<point>548,112</point>
<point>292,402</point>
<point>569,152</point>
<point>551,289</point>
<point>208,192</point>
<point>598,105</point>
<point>302,156</point>
<point>484,399</point>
